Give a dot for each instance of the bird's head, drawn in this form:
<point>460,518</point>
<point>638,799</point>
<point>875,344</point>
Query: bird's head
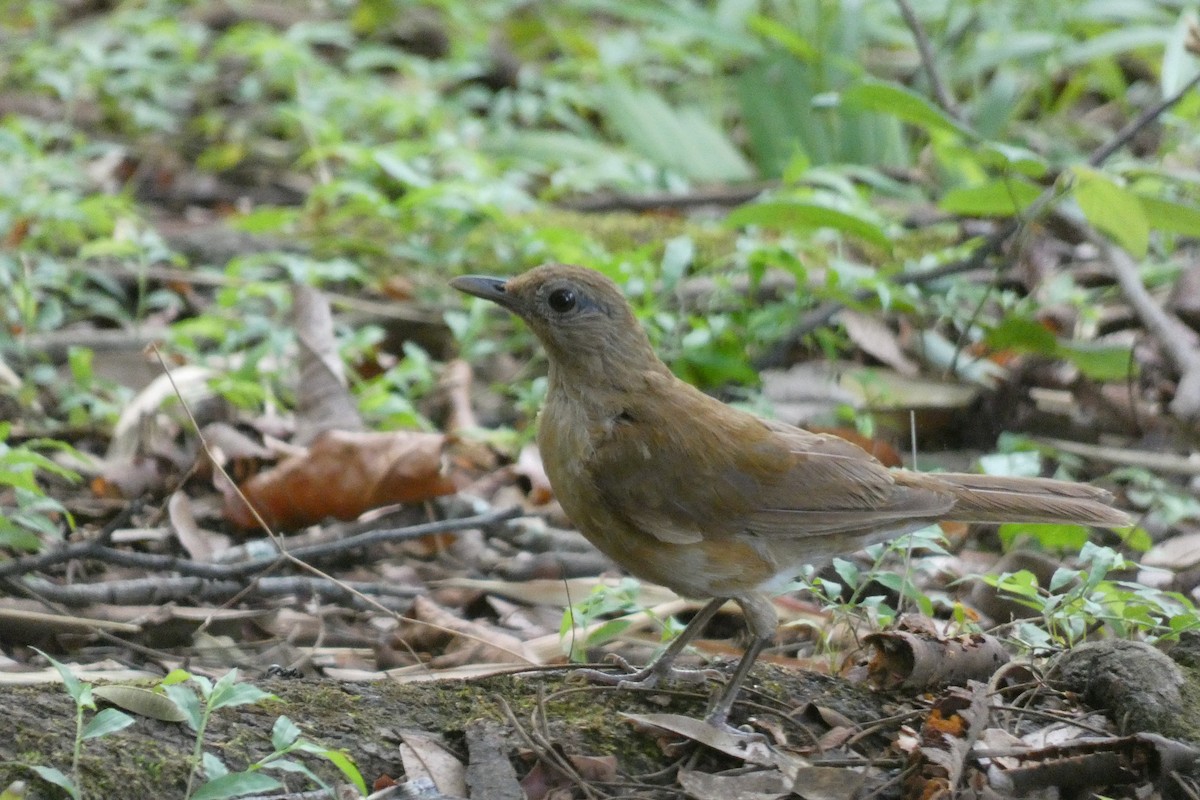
<point>578,314</point>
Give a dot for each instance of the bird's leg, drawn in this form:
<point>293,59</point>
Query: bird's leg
<point>762,621</point>
<point>662,667</point>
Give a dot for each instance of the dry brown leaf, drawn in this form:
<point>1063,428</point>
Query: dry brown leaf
<point>342,475</point>
<point>455,382</point>
<point>200,544</point>
<point>877,340</point>
<point>323,400</point>
<point>544,781</point>
<point>425,755</point>
<point>130,478</point>
<point>746,748</point>
<point>763,785</point>
<point>529,466</point>
<point>455,641</point>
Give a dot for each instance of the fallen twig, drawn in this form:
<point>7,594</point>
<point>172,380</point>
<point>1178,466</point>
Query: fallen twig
<point>158,590</point>
<point>1181,343</point>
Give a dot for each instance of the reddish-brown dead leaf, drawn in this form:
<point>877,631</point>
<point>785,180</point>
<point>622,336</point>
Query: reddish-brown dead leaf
<point>342,475</point>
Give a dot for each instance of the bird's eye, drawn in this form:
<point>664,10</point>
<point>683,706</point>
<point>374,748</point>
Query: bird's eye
<point>561,300</point>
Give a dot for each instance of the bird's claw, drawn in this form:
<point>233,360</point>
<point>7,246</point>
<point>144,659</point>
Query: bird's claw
<point>743,734</point>
<point>646,678</point>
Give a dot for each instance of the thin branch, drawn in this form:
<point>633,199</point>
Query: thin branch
<point>940,94</point>
<point>158,590</point>
<point>200,569</point>
<point>1177,339</point>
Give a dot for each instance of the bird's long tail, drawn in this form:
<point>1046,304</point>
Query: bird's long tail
<point>987,498</point>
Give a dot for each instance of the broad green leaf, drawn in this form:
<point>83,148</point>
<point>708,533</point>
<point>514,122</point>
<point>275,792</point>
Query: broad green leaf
<point>998,198</point>
<point>1100,362</point>
<point>1049,536</point>
<point>1021,333</point>
<point>52,775</point>
<point>213,767</point>
<point>904,104</point>
<point>1113,209</point>
<point>143,702</point>
<point>608,631</point>
<point>238,695</point>
<point>284,733</point>
<point>792,215</point>
<point>236,784</point>
<point>683,139</point>
<point>343,762</point>
<point>265,219</point>
<point>783,36</point>
<point>1172,217</point>
<point>288,765</point>
<point>75,687</point>
<point>1114,43</point>
<point>1011,158</point>
<point>107,721</point>
<point>175,676</point>
<point>185,698</point>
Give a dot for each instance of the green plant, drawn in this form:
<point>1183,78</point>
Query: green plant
<point>605,601</point>
<point>849,598</point>
<point>104,722</point>
<point>1080,601</point>
<point>27,514</point>
<point>198,698</point>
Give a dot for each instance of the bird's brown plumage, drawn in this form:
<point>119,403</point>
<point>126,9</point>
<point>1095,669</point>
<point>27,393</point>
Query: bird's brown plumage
<point>682,490</point>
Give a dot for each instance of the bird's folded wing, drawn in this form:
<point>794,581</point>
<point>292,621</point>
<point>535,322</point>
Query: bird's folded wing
<point>685,481</point>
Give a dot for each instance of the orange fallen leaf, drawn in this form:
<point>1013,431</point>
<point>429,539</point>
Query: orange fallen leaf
<point>342,475</point>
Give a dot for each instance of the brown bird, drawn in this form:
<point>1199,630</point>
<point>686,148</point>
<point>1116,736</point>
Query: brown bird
<point>682,490</point>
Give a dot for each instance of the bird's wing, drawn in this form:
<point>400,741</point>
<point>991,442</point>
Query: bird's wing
<point>685,467</point>
<point>834,486</point>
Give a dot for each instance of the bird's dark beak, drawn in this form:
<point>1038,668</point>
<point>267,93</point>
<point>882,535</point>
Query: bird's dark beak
<point>485,287</point>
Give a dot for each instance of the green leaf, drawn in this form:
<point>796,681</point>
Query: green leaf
<point>75,687</point>
<point>1172,217</point>
<point>680,139</point>
<point>236,784</point>
<point>998,198</point>
<point>239,695</point>
<point>143,702</point>
<point>793,215</point>
<point>1056,537</point>
<point>1100,362</point>
<point>213,767</point>
<point>608,631</point>
<point>784,36</point>
<point>1021,333</point>
<point>52,775</point>
<point>346,764</point>
<point>284,734</point>
<point>185,698</point>
<point>847,571</point>
<point>1113,210</point>
<point>107,721</point>
<point>904,104</point>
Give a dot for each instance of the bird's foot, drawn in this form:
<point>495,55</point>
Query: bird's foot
<point>719,720</point>
<point>645,678</point>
